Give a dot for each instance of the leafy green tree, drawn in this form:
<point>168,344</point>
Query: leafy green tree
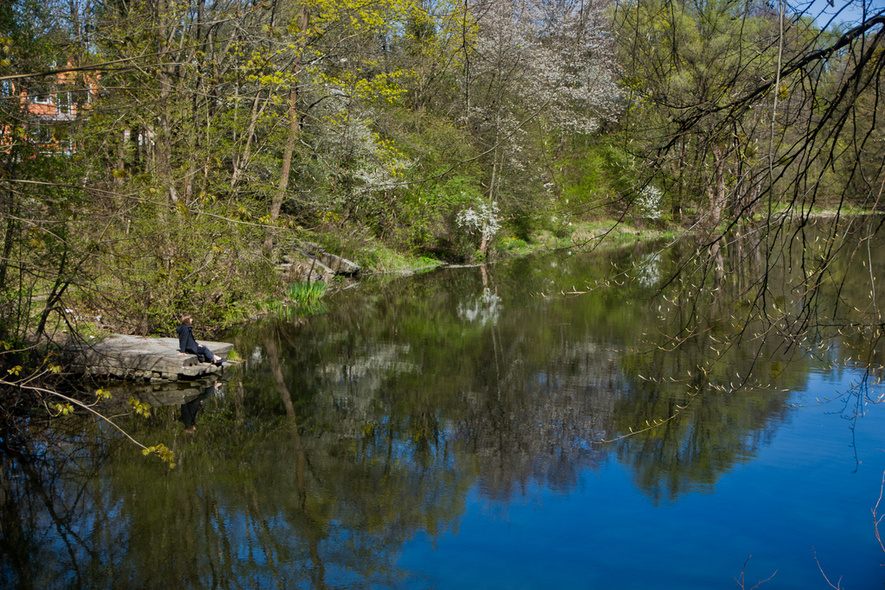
<point>41,252</point>
<point>685,63</point>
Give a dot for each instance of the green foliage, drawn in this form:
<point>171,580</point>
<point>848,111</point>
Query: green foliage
<point>306,293</point>
<point>693,62</point>
<point>302,299</point>
<point>510,244</point>
<point>306,298</point>
<point>163,264</point>
<point>63,409</point>
<point>428,215</point>
<point>383,259</point>
<point>593,175</point>
<point>140,408</point>
<point>163,452</point>
<point>420,215</point>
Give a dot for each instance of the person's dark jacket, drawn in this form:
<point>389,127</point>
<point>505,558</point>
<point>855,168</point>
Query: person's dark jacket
<point>186,341</point>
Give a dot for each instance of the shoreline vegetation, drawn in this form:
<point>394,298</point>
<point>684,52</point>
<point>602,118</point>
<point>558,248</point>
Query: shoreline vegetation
<point>292,299</point>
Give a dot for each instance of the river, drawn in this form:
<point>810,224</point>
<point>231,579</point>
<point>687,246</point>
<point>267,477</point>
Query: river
<point>572,420</point>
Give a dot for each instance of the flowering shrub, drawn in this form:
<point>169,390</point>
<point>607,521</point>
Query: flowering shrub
<point>648,203</point>
<point>484,219</point>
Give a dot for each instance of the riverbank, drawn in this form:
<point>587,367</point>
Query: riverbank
<point>283,295</point>
<point>584,235</point>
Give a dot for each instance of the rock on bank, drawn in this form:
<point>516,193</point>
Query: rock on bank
<point>142,358</point>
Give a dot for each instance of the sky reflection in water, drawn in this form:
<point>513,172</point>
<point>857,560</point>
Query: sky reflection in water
<point>802,501</point>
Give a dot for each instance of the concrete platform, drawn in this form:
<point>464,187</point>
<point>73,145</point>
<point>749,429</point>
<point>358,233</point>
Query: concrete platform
<point>142,358</point>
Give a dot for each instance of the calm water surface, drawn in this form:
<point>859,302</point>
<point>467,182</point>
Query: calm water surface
<point>470,428</point>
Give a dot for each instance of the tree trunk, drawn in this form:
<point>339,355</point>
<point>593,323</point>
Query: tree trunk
<point>241,160</point>
<point>283,186</point>
<point>293,135</point>
<point>716,189</point>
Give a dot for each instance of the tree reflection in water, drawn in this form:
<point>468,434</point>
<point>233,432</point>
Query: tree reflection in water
<point>343,436</point>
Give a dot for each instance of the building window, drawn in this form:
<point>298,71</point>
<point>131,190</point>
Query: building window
<point>42,98</point>
<point>43,134</point>
<point>63,102</point>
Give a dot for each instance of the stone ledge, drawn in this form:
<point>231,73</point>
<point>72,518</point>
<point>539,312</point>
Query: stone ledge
<point>144,359</point>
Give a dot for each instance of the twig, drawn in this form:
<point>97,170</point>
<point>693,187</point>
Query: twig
<point>838,585</point>
<point>740,582</point>
<point>876,518</point>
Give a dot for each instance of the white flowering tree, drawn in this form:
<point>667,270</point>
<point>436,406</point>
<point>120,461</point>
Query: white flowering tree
<point>542,71</point>
<point>361,165</point>
<point>555,58</point>
<point>648,202</point>
<point>483,220</point>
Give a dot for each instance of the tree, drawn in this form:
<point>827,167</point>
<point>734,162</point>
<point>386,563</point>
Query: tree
<point>685,64</point>
<point>40,252</point>
<point>547,67</point>
<point>788,131</point>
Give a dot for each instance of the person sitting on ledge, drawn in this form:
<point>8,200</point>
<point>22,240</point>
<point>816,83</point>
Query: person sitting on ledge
<point>188,344</point>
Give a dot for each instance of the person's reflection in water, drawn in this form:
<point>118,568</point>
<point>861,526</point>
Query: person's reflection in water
<point>189,409</point>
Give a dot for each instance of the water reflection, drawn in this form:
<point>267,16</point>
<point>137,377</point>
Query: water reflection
<point>191,407</point>
<point>529,396</point>
<point>345,436</point>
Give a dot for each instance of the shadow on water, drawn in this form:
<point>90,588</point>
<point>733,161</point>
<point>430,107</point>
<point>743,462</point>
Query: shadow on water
<point>343,436</point>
